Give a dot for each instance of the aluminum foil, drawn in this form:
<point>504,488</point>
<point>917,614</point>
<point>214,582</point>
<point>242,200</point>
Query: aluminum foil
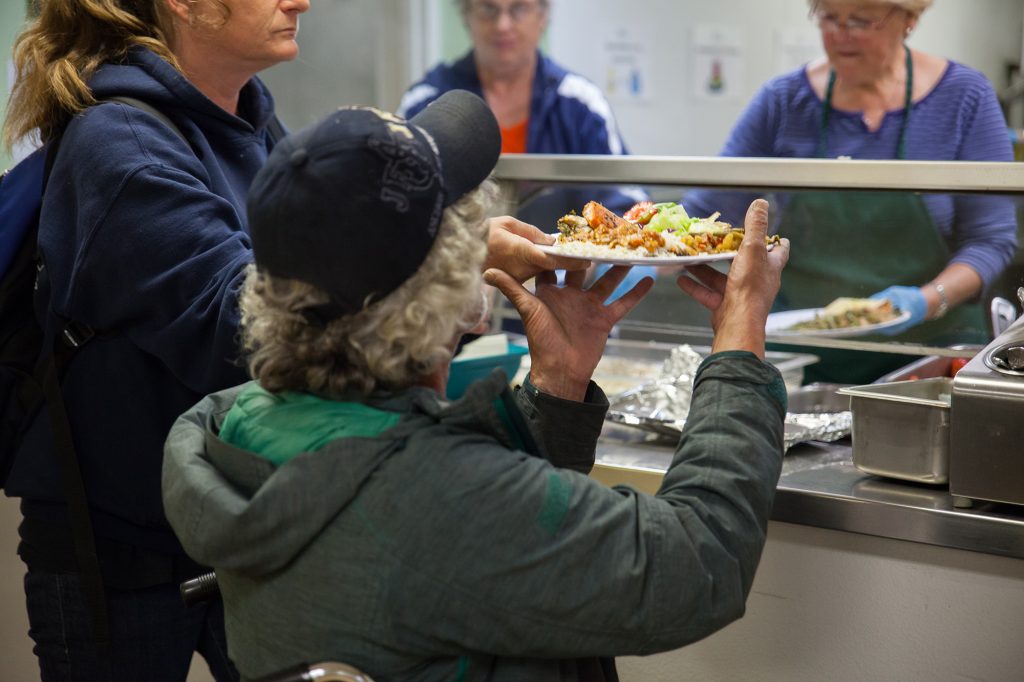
<point>666,399</point>
<point>823,426</point>
<point>661,406</point>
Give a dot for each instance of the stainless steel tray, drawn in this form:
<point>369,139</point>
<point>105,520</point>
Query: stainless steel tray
<point>637,362</point>
<point>799,428</point>
<point>817,412</point>
<point>822,415</point>
<point>928,367</point>
<point>901,429</point>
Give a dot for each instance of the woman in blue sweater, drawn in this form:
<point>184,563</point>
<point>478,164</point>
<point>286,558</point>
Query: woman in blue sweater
<point>875,98</point>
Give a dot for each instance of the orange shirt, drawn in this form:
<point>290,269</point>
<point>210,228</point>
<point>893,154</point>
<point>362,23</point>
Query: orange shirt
<point>513,139</point>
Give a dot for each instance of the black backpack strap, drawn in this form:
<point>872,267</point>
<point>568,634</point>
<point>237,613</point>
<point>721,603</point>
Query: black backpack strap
<point>83,538</point>
<point>51,158</point>
<point>67,340</point>
<point>47,374</point>
<point>274,125</point>
<point>151,110</point>
<point>276,129</point>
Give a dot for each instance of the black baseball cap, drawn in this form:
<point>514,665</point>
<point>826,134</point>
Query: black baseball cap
<point>352,204</point>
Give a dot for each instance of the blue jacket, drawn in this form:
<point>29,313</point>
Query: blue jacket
<point>145,240</point>
<point>568,113</point>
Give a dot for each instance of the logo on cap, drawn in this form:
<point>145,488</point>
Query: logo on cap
<point>407,169</point>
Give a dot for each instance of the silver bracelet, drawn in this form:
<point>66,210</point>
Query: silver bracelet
<point>943,301</point>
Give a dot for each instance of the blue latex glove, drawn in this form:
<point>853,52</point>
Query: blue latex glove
<point>637,273</point>
<point>907,299</point>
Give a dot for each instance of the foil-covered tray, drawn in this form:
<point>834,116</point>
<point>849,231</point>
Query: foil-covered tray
<point>799,428</point>
<point>660,406</point>
<point>823,426</point>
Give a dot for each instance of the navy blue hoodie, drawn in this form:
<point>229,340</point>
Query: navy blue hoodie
<point>145,238</point>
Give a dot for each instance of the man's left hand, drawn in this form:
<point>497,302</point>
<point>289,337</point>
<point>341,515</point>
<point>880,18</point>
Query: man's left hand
<point>512,247</point>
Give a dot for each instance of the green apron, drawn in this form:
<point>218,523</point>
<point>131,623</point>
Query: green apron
<point>857,244</point>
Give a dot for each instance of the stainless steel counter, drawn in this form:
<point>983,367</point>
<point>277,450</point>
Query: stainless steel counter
<point>820,487</point>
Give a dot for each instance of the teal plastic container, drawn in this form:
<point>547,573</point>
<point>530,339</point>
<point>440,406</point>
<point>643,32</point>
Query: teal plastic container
<point>465,372</point>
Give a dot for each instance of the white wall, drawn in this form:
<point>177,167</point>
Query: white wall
<point>828,605</point>
<point>369,51</point>
<point>12,20</point>
<point>350,52</point>
<point>985,34</point>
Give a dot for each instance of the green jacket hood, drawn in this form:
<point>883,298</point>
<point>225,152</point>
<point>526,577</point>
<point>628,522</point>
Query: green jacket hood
<point>236,510</point>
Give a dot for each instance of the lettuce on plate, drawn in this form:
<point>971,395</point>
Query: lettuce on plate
<point>672,217</point>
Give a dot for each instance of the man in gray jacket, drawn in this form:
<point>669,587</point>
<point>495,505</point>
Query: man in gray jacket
<point>352,513</point>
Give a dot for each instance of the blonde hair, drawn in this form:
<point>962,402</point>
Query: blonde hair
<point>389,344</point>
<point>915,7</point>
<point>60,50</point>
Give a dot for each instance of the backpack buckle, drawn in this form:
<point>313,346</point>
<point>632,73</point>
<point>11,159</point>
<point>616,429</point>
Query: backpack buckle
<point>77,335</point>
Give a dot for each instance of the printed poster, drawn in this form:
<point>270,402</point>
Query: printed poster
<point>718,63</point>
<point>627,69</point>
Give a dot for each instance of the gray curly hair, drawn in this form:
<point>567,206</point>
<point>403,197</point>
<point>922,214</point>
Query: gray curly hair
<point>387,345</point>
<point>915,7</point>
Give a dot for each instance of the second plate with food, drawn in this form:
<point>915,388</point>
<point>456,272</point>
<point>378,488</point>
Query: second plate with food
<point>781,324</point>
<point>556,250</point>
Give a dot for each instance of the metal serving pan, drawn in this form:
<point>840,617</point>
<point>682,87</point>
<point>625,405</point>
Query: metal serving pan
<point>639,361</point>
<point>629,369</point>
<point>928,367</point>
<point>901,429</point>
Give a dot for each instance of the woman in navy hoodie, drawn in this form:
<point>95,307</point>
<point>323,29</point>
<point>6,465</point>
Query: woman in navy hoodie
<point>144,238</point>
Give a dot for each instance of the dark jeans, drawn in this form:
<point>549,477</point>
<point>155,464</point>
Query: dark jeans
<point>153,634</point>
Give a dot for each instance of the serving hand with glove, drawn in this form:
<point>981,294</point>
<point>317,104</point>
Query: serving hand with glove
<point>954,285</point>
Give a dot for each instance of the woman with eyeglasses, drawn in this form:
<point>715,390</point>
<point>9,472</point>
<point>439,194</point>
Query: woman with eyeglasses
<point>541,107</point>
<point>873,97</point>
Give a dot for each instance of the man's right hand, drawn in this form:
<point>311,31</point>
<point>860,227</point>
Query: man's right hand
<point>740,303</point>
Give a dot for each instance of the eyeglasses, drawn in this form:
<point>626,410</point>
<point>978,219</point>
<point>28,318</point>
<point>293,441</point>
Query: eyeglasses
<point>518,11</point>
<point>854,26</point>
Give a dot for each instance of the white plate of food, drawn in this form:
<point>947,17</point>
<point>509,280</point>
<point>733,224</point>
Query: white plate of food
<point>598,254</point>
<point>841,318</point>
<point>647,234</point>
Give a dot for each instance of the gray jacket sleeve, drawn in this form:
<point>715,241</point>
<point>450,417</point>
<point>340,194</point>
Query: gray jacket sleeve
<point>549,563</point>
<point>566,430</point>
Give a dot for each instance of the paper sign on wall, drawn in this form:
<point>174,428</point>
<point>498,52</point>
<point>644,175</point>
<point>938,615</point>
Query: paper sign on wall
<point>718,59</point>
<point>627,66</point>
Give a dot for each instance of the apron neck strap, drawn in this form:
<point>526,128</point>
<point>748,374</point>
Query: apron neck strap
<point>826,111</point>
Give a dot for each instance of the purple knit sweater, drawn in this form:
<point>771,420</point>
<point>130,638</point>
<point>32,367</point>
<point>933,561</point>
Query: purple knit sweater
<point>959,120</point>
